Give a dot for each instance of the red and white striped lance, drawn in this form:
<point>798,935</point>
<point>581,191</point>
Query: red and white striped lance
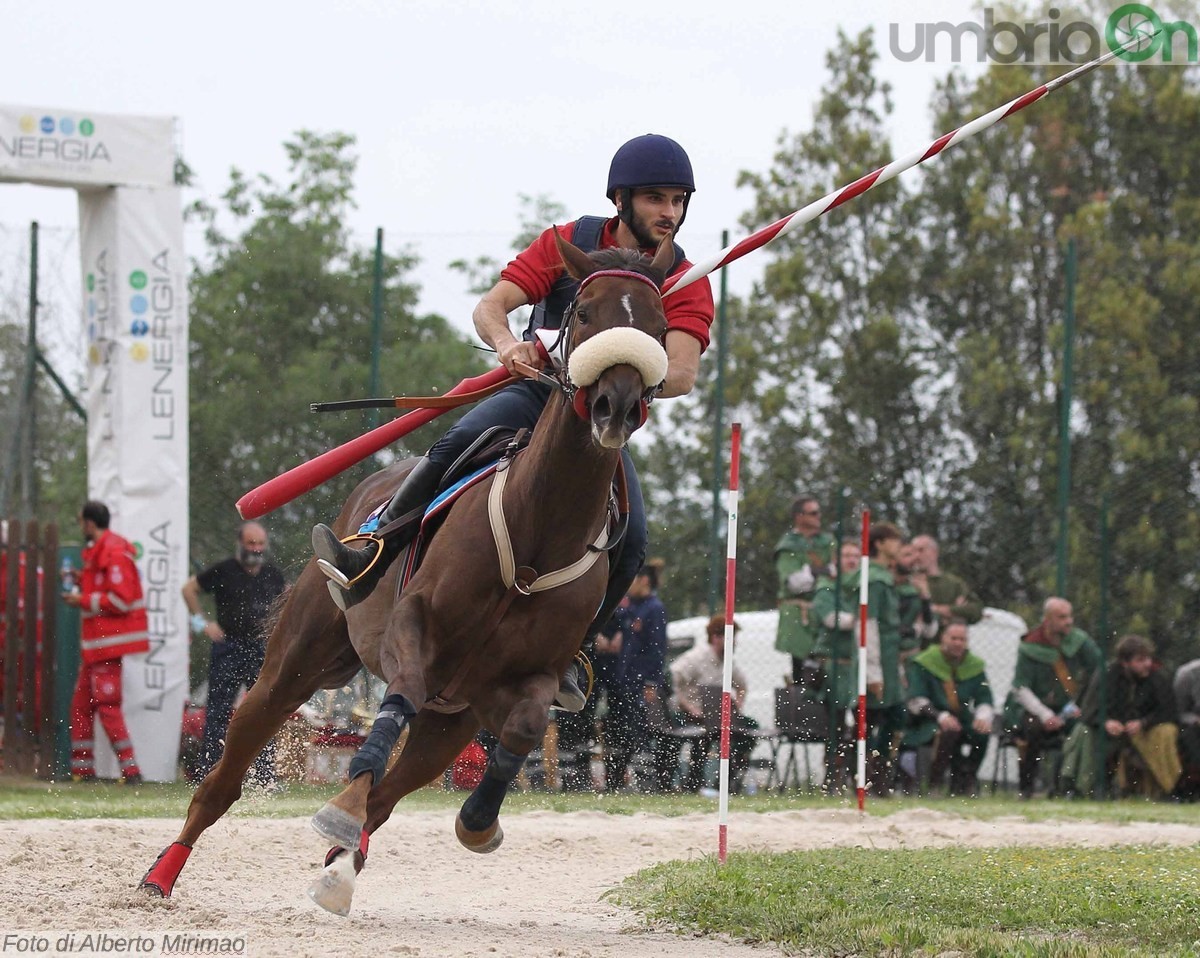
<point>863,589</point>
<point>735,455</point>
<point>835,199</point>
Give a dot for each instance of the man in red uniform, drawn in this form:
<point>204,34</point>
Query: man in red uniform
<point>114,625</point>
<point>650,182</point>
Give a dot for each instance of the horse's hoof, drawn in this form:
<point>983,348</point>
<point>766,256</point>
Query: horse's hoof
<point>151,890</point>
<point>482,842</point>
<point>338,826</point>
<point>334,889</point>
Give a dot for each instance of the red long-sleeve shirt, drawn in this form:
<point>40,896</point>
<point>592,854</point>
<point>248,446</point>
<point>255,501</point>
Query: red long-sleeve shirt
<point>536,268</point>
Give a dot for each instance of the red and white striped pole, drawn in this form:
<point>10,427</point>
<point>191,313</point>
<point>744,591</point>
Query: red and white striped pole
<point>735,455</point>
<point>839,196</point>
<point>863,573</point>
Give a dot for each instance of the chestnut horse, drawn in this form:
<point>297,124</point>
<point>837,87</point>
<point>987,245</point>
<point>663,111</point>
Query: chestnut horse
<point>478,638</point>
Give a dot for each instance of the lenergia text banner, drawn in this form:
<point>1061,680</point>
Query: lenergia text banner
<point>57,147</point>
<point>135,314</point>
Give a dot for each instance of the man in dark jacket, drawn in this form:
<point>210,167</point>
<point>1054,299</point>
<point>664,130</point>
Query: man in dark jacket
<point>244,587</point>
<point>642,660</point>
<point>1140,726</point>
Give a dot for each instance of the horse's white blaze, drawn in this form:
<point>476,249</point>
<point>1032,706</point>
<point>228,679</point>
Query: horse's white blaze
<point>334,888</point>
<point>626,302</point>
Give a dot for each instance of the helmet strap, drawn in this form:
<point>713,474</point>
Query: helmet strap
<point>687,198</point>
<point>625,214</point>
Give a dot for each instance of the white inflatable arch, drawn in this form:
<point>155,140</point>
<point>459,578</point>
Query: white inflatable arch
<point>135,313</point>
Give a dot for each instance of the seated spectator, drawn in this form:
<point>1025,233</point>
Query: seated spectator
<point>1187,700</point>
<point>1054,663</point>
<point>1141,734</point>
<point>950,711</point>
<point>703,666</point>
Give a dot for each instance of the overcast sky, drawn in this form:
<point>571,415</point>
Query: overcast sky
<point>457,107</point>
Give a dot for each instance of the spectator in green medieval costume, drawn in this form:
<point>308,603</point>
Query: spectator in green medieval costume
<point>836,614</point>
<point>949,594</point>
<point>885,687</point>
<point>802,556</point>
<point>950,710</point>
<point>1054,663</point>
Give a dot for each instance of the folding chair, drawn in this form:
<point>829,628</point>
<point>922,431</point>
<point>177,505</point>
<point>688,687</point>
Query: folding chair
<point>801,721</point>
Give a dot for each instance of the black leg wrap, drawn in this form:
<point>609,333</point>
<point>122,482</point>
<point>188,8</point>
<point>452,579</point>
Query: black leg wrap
<point>483,805</point>
<point>377,749</point>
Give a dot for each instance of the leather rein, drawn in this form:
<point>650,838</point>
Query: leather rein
<point>557,380</point>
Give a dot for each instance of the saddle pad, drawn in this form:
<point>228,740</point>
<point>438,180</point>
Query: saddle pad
<point>434,513</point>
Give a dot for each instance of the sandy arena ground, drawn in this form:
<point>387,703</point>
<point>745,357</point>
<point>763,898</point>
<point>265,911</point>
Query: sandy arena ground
<point>423,894</point>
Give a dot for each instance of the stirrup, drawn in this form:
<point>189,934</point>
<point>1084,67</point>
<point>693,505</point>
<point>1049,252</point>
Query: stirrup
<point>327,559</point>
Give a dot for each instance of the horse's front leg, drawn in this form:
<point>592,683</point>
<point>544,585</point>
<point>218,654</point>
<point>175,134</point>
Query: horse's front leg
<point>478,823</point>
<point>434,740</point>
<point>308,645</point>
<point>342,818</point>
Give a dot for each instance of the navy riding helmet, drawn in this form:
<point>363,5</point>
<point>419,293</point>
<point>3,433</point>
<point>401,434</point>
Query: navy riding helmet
<point>649,160</point>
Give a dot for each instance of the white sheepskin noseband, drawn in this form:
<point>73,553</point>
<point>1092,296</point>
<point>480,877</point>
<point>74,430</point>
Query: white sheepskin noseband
<point>621,344</point>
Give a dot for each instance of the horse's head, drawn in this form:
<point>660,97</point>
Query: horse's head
<point>615,331</point>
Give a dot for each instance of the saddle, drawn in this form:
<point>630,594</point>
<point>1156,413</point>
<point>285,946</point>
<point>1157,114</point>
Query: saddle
<point>480,460</point>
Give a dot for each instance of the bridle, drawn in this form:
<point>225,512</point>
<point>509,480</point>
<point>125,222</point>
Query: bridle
<point>578,396</point>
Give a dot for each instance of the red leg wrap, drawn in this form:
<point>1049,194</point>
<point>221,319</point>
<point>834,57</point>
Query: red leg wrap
<point>166,868</point>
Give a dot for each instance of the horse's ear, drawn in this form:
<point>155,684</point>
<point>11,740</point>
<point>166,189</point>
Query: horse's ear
<point>664,257</point>
<point>576,261</point>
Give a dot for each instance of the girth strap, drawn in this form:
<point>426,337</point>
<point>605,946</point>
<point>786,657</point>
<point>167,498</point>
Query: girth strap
<point>517,581</point>
<point>508,563</point>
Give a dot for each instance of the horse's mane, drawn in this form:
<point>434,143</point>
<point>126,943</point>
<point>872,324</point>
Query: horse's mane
<point>629,259</point>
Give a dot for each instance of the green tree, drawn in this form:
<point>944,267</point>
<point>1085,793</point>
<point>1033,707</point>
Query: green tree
<point>537,213</point>
<point>59,470</point>
<point>909,348</point>
<point>1138,392</point>
<point>280,317</point>
<point>1110,161</point>
<point>827,365</point>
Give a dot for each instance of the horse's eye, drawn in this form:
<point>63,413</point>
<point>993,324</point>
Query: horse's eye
<point>581,314</point>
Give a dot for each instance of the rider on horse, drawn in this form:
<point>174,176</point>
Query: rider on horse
<point>650,182</point>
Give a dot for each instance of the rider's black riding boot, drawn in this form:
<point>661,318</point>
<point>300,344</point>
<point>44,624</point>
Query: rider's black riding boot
<point>571,697</point>
<point>355,566</point>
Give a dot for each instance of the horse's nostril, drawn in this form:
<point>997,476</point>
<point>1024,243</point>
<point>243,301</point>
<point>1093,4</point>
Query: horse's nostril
<point>601,409</point>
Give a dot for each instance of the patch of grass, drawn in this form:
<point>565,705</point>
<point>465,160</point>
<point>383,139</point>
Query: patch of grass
<point>1133,902</point>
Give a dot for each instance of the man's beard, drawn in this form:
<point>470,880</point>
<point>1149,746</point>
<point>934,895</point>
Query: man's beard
<point>641,233</point>
<point>251,560</point>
